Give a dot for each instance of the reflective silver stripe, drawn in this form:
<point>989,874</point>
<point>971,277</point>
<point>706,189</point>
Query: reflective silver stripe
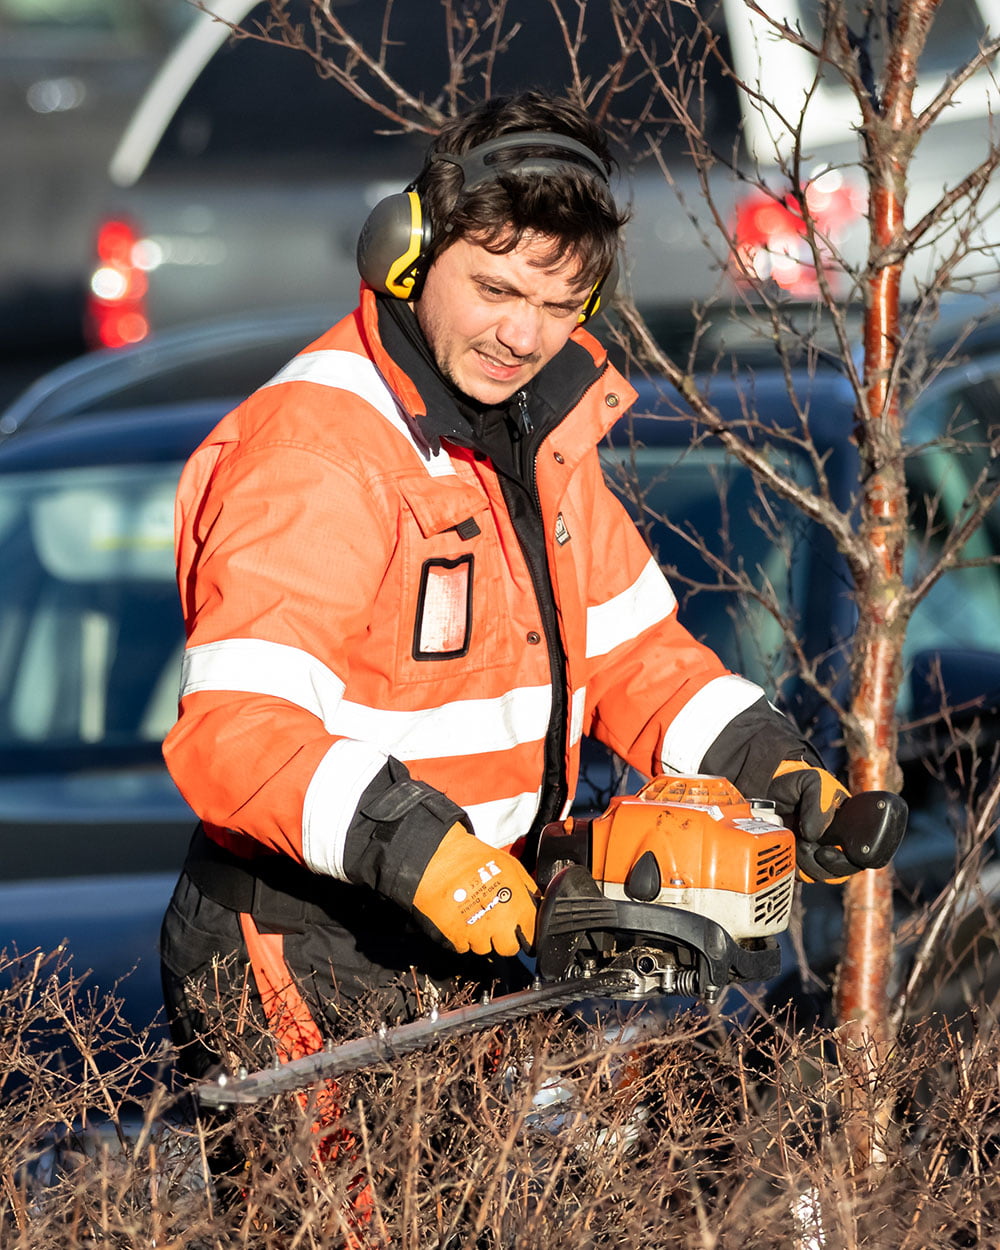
<point>347,371</point>
<point>648,600</point>
<point>700,721</point>
<point>502,821</point>
<point>331,800</point>
<point>255,666</point>
<point>465,727</point>
<point>577,710</point>
<point>468,727</point>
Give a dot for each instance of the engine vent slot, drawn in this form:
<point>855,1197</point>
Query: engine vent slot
<point>773,906</point>
<point>773,861</point>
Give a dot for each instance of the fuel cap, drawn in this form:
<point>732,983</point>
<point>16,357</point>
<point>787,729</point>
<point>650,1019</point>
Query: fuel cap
<point>643,881</point>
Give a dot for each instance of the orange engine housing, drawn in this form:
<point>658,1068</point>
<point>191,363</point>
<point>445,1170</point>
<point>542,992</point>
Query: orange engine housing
<point>712,852</point>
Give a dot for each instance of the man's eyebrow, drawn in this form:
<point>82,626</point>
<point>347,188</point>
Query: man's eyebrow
<point>504,284</point>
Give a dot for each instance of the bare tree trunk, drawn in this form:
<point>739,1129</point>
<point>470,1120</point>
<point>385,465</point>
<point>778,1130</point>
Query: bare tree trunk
<point>872,733</point>
<point>863,982</point>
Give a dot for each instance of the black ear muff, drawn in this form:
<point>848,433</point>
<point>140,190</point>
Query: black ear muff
<point>600,294</point>
<point>391,243</point>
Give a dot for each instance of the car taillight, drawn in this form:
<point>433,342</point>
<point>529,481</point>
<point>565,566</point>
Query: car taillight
<point>770,232</point>
<point>116,301</point>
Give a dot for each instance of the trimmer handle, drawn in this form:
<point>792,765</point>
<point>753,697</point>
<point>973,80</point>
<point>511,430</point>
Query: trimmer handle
<point>866,829</point>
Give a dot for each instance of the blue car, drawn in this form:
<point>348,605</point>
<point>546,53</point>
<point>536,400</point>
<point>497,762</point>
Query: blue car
<point>92,830</point>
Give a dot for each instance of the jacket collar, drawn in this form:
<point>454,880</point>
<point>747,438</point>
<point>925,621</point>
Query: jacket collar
<point>441,412</point>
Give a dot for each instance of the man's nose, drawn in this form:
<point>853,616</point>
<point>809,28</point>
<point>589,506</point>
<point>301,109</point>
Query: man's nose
<point>519,330</point>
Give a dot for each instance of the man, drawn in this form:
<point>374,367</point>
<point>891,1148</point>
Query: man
<point>408,593</point>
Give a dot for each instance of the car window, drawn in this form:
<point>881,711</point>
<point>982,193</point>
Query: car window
<point>954,432</point>
<point>267,105</point>
<point>958,28</point>
<point>90,627</point>
<point>696,506</point>
<point>678,496</point>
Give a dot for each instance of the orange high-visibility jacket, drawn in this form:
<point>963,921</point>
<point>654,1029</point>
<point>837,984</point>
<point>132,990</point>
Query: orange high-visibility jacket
<point>352,596</point>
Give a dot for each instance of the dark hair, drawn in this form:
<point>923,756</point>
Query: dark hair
<point>572,204</point>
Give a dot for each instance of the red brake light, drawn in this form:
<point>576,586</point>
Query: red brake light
<point>770,233</point>
<point>116,308</point>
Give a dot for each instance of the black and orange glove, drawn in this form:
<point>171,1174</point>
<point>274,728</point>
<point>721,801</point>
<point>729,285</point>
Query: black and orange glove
<point>807,797</point>
<point>476,898</point>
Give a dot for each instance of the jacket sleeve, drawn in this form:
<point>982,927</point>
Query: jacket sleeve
<point>252,751</point>
<point>659,698</point>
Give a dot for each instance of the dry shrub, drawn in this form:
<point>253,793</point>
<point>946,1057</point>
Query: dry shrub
<point>553,1132</point>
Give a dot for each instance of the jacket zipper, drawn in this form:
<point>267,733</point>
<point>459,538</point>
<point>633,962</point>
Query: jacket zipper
<point>556,737</point>
<point>522,411</point>
<point>553,796</point>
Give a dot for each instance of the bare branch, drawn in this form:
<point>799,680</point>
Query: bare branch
<point>979,504</point>
<point>816,508</point>
<point>912,25</point>
<point>984,57</point>
<point>572,44</point>
<point>280,30</point>
<point>982,824</point>
<point>973,186</point>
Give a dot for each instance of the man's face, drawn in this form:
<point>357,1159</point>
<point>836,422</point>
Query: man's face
<point>493,321</point>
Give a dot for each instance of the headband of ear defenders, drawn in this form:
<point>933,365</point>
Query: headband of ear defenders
<point>542,152</point>
<point>395,239</point>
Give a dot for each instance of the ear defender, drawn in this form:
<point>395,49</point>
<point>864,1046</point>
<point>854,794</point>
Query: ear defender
<point>397,234</point>
<point>600,294</point>
<point>391,243</point>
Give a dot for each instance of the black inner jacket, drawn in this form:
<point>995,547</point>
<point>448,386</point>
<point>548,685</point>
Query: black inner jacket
<point>509,436</point>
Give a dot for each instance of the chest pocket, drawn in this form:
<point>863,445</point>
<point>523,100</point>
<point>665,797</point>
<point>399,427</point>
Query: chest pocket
<point>454,590</point>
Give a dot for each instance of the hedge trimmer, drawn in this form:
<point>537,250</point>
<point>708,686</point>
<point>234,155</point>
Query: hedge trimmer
<point>681,889</point>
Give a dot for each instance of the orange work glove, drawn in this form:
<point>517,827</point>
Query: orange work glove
<point>806,798</point>
<point>476,898</point>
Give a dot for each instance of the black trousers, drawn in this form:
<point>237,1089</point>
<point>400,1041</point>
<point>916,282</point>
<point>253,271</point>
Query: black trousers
<point>352,955</point>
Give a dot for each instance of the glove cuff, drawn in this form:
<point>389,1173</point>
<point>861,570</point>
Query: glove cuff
<point>753,745</point>
<point>399,825</point>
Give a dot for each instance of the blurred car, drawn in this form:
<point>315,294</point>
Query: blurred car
<point>243,177</point>
<point>91,830</point>
<point>69,71</point>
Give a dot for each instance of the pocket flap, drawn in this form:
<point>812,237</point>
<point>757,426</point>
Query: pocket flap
<point>443,504</point>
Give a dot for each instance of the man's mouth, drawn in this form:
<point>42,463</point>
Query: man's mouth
<point>498,369</point>
<point>501,368</point>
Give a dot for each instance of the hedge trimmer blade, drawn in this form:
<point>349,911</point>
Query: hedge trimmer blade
<point>389,1044</point>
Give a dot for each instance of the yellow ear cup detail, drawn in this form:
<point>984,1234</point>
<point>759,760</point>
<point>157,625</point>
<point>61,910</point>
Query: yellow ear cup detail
<point>593,303</point>
<point>399,281</point>
<point>600,294</point>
